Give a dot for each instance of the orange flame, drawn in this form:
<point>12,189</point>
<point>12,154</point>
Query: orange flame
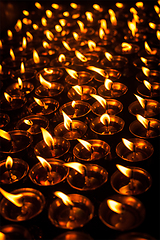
<point>75,16</point>
<point>28,122</point>
<point>75,165</point>
<point>5,134</point>
<point>66,46</point>
<point>101,33</point>
<point>128,144</point>
<point>22,68</point>
<point>10,34</point>
<point>35,26</point>
<point>132,27</point>
<point>141,100</point>
<point>91,45</point>
<point>81,26</point>
<point>30,37</point>
<point>89,16</point>
<point>47,137</point>
<point>16,199</point>
<point>18,25</point>
<point>67,120</point>
<point>61,58</point>
<point>48,71</point>
<point>86,144</point>
<point>58,28</point>
<point>20,83</point>
<point>112,17</point>
<point>126,46</point>
<point>80,56</point>
<point>1,44</point>
<point>152,25</point>
<point>62,22</point>
<point>66,14</point>
<point>74,5</point>
<point>45,44</point>
<point>157,9</point>
<point>144,60</point>
<point>40,103</point>
<point>44,22</point>
<point>49,13</point>
<point>66,200</point>
<point>108,56</point>
<point>98,70</point>
<point>49,35</point>
<point>139,4</point>
<point>76,36</point>
<point>103,25</point>
<point>142,120</point>
<point>44,82</point>
<point>25,12</point>
<point>1,69</point>
<point>73,104</point>
<point>105,118</point>
<point>24,43</point>
<point>27,21</point>
<point>158,34</point>
<point>12,55</point>
<point>126,171</point>
<point>101,100</point>
<point>78,89</point>
<point>7,97</point>
<point>97,7</point>
<point>9,162</point>
<point>108,84</point>
<point>36,58</point>
<point>44,163</point>
<point>148,49</point>
<point>146,71</point>
<point>38,5</point>
<point>72,73</point>
<point>2,236</point>
<point>119,5</point>
<point>55,6</point>
<point>133,10</point>
<point>115,206</point>
<point>147,84</point>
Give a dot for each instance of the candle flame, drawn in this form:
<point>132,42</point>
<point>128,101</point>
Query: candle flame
<point>58,28</point>
<point>30,37</point>
<point>132,27</point>
<point>105,118</point>
<point>49,13</point>
<point>147,85</point>
<point>157,9</point>
<point>76,36</point>
<point>91,45</point>
<point>66,14</point>
<point>108,84</point>
<point>1,69</point>
<point>146,71</point>
<point>139,4</point>
<point>81,26</point>
<point>9,162</point>
<point>75,16</point>
<point>22,68</point>
<point>101,33</point>
<point>141,100</point>
<point>148,49</point>
<point>40,103</point>
<point>7,97</point>
<point>62,22</point>
<point>44,163</point>
<point>66,46</point>
<point>152,25</point>
<point>98,70</point>
<point>5,135</point>
<point>133,10</point>
<point>18,25</point>
<point>101,100</point>
<point>16,199</point>
<point>12,54</point>
<point>126,46</point>
<point>55,6</point>
<point>108,56</point>
<point>44,82</point>
<point>45,44</point>
<point>48,71</point>
<point>44,22</point>
<point>74,5</point>
<point>49,35</point>
<point>144,60</point>
<point>36,58</point>
<point>73,104</point>
<point>35,26</point>
<point>86,144</point>
<point>119,5</point>
<point>72,73</point>
<point>25,12</point>
<point>67,121</point>
<point>89,16</point>
<point>126,171</point>
<point>97,7</point>
<point>20,83</point>
<point>24,43</point>
<point>1,44</point>
<point>103,25</point>
<point>158,34</point>
<point>142,120</point>
<point>112,17</point>
<point>80,56</point>
<point>128,144</point>
<point>38,5</point>
<point>2,236</point>
<point>61,58</point>
<point>27,21</point>
<point>115,206</point>
<point>10,34</point>
<point>75,165</point>
<point>66,200</point>
<point>47,137</point>
<point>28,122</point>
<point>78,89</point>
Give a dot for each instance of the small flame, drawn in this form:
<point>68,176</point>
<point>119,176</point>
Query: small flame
<point>101,33</point>
<point>65,44</point>
<point>142,120</point>
<point>74,5</point>
<point>36,58</point>
<point>1,44</point>
<point>108,84</point>
<point>67,120</point>
<point>66,14</point>
<point>75,16</point>
<point>72,73</point>
<point>97,7</point>
<point>47,137</point>
<point>44,163</point>
<point>5,134</point>
<point>1,71</point>
<point>24,43</point>
<point>27,21</point>
<point>141,100</point>
<point>62,22</point>
<point>97,70</point>
<point>78,89</point>
<point>66,200</point>
<point>103,25</point>
<point>133,10</point>
<point>25,12</point>
<point>119,5</point>
<point>148,85</point>
<point>158,34</point>
<point>61,58</point>
<point>132,27</point>
<point>101,100</point>
<point>139,4</point>
<point>148,49</point>
<point>81,26</point>
<point>12,55</point>
<point>91,45</point>
<point>126,46</point>
<point>144,60</point>
<point>16,199</point>
<point>18,25</point>
<point>73,104</point>
<point>22,68</point>
<point>45,44</point>
<point>30,37</point>
<point>112,17</point>
<point>152,25</point>
<point>58,28</point>
<point>49,13</point>
<point>126,171</point>
<point>2,236</point>
<point>7,97</point>
<point>20,83</point>
<point>105,118</point>
<point>86,144</point>
<point>115,206</point>
<point>76,36</point>
<point>40,103</point>
<point>28,122</point>
<point>89,16</point>
<point>157,9</point>
<point>55,6</point>
<point>128,144</point>
<point>9,162</point>
<point>80,56</point>
<point>38,5</point>
<point>44,82</point>
<point>49,35</point>
<point>77,166</point>
<point>10,34</point>
<point>146,71</point>
<point>44,22</point>
<point>108,56</point>
<point>48,71</point>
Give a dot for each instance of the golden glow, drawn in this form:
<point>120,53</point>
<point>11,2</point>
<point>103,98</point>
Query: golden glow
<point>103,25</point>
<point>139,4</point>
<point>97,7</point>
<point>142,120</point>
<point>22,68</point>
<point>44,82</point>
<point>67,121</point>
<point>132,27</point>
<point>72,73</point>
<point>45,44</point>
<point>44,22</point>
<point>119,5</point>
<point>49,35</point>
<point>86,144</point>
<point>20,83</point>
<point>1,44</point>
<point>55,6</point>
<point>152,25</point>
<point>7,97</point>
<point>24,43</point>
<point>27,21</point>
<point>112,17</point>
<point>78,89</point>
<point>80,56</point>
<point>29,35</point>
<point>28,122</point>
<point>38,5</point>
<point>16,199</point>
<point>144,60</point>
<point>62,58</point>
<point>36,58</point>
<point>58,28</point>
<point>76,36</point>
<point>35,26</point>
<point>18,25</point>
<point>128,144</point>
<point>147,84</point>
<point>148,49</point>
<point>98,70</point>
<point>47,137</point>
<point>101,100</point>
<point>126,46</point>
<point>5,135</point>
<point>62,22</point>
<point>12,54</point>
<point>1,69</point>
<point>73,104</point>
<point>133,10</point>
<point>40,103</point>
<point>126,171</point>
<point>146,71</point>
<point>75,165</point>
<point>115,206</point>
<point>66,14</point>
<point>101,33</point>
<point>2,236</point>
<point>157,9</point>
<point>48,71</point>
<point>89,16</point>
<point>108,56</point>
<point>74,5</point>
<point>25,12</point>
<point>44,163</point>
<point>9,162</point>
<point>81,26</point>
<point>105,118</point>
<point>141,100</point>
<point>91,45</point>
<point>49,13</point>
<point>75,16</point>
<point>10,34</point>
<point>66,200</point>
<point>108,84</point>
<point>65,44</point>
<point>158,34</point>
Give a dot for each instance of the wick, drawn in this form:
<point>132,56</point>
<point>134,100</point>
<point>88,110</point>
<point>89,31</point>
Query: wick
<point>70,127</point>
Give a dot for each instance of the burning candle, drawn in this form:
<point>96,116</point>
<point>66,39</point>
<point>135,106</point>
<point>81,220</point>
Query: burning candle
<point>148,51</point>
<point>148,89</point>
<point>24,74</point>
<point>78,78</point>
<point>117,62</point>
<point>127,48</point>
<point>37,62</point>
<point>50,74</point>
<point>150,75</point>
<point>22,204</point>
<point>81,92</point>
<point>148,62</point>
<point>24,50</point>
<point>85,60</point>
<point>70,211</point>
<point>130,181</point>
<point>61,61</point>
